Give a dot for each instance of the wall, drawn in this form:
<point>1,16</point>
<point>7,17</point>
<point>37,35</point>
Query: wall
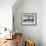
<point>43,22</point>
<point>6,13</point>
<point>30,32</point>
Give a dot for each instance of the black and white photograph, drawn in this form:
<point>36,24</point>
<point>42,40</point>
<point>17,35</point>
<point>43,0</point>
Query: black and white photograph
<point>29,19</point>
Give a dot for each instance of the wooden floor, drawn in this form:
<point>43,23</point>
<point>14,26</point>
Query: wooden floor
<point>9,43</point>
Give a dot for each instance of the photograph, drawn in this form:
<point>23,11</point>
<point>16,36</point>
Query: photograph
<point>29,19</point>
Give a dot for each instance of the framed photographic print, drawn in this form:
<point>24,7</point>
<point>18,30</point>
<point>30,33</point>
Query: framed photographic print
<point>29,19</point>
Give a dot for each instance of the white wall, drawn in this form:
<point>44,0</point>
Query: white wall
<point>31,32</point>
<point>37,33</point>
<point>43,22</point>
<point>6,13</point>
